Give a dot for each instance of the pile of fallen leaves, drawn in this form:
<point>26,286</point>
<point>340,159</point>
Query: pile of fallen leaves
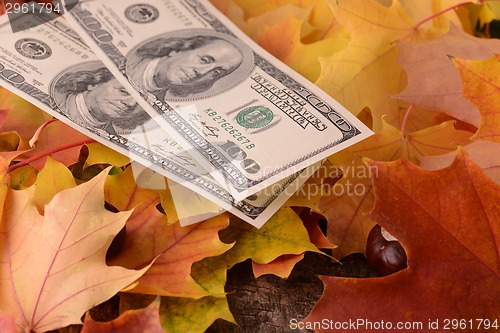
<point>77,228</point>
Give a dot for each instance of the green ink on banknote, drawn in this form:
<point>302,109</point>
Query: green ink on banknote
<point>255,117</point>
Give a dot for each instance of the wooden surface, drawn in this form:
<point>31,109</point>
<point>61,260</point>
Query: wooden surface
<point>268,303</point>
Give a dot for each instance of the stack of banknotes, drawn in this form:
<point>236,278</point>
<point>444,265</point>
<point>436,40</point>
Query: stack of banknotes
<point>178,88</point>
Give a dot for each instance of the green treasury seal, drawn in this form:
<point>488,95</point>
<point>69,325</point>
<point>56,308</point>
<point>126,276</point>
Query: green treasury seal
<point>255,117</point>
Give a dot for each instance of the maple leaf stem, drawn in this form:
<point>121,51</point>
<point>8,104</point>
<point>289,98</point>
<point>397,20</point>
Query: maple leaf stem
<point>45,124</point>
<point>442,12</point>
<point>40,129</point>
<point>405,118</point>
<point>47,153</point>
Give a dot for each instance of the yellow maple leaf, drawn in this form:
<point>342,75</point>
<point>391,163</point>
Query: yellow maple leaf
<point>4,183</point>
<point>484,13</point>
<point>254,8</point>
<point>284,233</point>
<point>99,153</point>
<point>366,73</point>
<point>442,17</point>
<point>481,87</point>
<point>283,39</point>
<point>193,315</point>
<point>53,178</point>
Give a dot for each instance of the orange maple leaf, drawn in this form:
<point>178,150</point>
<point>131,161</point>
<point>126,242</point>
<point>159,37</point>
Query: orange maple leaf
<point>60,140</point>
<point>485,153</point>
<point>281,266</point>
<point>351,197</point>
<point>448,221</point>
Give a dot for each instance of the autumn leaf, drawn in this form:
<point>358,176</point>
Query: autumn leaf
<point>3,115</point>
<point>486,154</point>
<point>433,82</point>
<point>142,320</point>
<point>393,143</point>
<point>181,314</point>
<point>9,141</point>
<point>193,315</point>
<point>311,221</point>
<point>351,198</point>
<point>7,323</point>
<point>296,32</point>
<point>495,8</point>
<point>100,154</point>
<point>171,244</point>
<point>4,183</point>
<point>281,266</point>
<point>253,8</point>
<point>314,188</point>
<point>53,266</point>
<point>185,206</point>
<point>23,177</point>
<point>323,24</point>
<point>484,13</point>
<point>448,221</point>
<point>20,116</point>
<point>388,62</point>
<point>422,11</point>
<point>283,234</point>
<point>59,140</point>
<point>231,10</point>
<point>281,32</point>
<point>288,16</point>
<point>346,211</point>
<point>481,87</point>
<point>53,178</point>
<point>353,76</point>
<point>284,264</point>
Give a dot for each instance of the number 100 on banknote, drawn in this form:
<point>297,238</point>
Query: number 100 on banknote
<point>246,117</point>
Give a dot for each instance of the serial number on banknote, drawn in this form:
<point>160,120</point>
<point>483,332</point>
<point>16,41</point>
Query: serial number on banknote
<point>32,8</point>
<point>234,132</point>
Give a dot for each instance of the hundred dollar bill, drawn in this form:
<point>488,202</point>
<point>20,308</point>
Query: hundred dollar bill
<point>247,118</point>
<point>50,66</point>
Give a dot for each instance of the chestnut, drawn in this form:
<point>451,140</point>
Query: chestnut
<point>384,253</point>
